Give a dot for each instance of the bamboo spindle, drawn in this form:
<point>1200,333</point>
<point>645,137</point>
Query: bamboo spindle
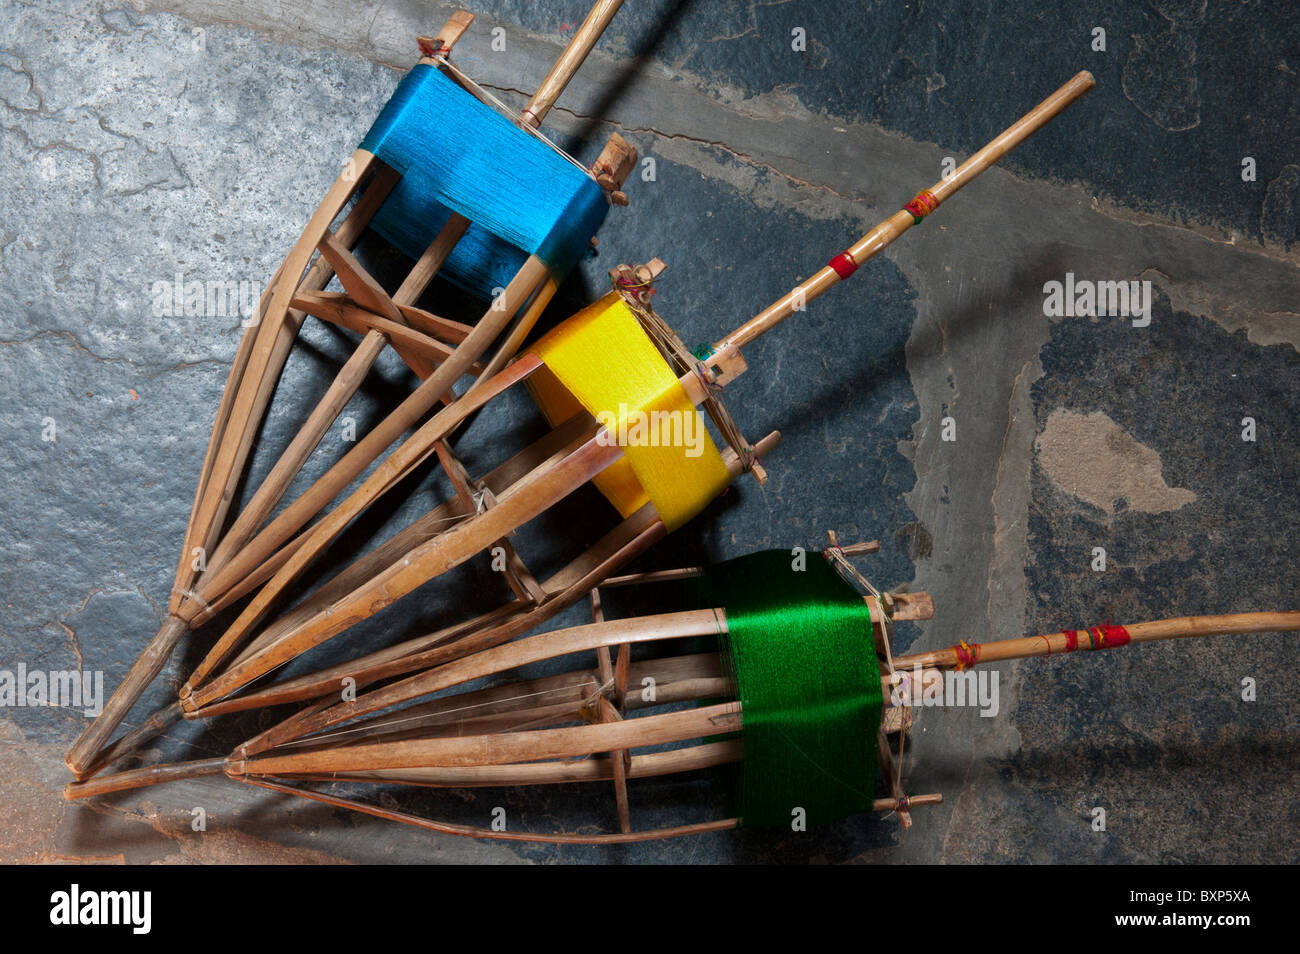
<point>256,368</point>
<point>451,757</point>
<point>910,688</point>
<point>541,289</point>
<point>701,622</point>
<point>537,292</point>
<point>843,265</point>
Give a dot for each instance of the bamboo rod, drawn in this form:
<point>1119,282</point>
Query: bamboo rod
<point>390,470</point>
<point>435,326</point>
<point>428,264</point>
<point>143,778</point>
<point>632,537</point>
<point>531,275</point>
<point>890,229</point>
<point>1179,627</point>
<point>526,746</point>
<point>584,40</point>
<point>518,332</point>
<point>650,765</point>
<point>416,344</point>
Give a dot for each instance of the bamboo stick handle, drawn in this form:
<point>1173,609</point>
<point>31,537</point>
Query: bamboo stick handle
<point>143,778</point>
<point>130,741</point>
<point>82,754</point>
<point>1179,627</point>
<point>570,60</point>
<point>901,221</point>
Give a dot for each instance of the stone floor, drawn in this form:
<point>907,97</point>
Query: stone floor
<point>145,141</point>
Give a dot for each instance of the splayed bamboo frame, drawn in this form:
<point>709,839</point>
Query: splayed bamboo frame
<point>209,574</point>
<point>583,726</point>
<point>560,474</point>
<point>553,470</point>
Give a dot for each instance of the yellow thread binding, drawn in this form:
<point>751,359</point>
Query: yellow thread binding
<point>601,360</point>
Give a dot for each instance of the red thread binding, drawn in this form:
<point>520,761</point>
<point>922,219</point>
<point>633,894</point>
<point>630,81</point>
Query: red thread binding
<point>922,205</point>
<point>967,656</point>
<point>843,264</point>
<point>1106,636</point>
<point>1071,640</point>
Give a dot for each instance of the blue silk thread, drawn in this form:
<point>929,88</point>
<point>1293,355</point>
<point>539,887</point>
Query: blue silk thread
<point>458,154</point>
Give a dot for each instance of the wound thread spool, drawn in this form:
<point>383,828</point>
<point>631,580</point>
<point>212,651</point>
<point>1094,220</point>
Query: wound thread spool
<point>457,154</point>
<point>601,360</point>
<point>800,649</point>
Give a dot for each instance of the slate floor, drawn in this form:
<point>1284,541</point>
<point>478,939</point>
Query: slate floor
<point>177,140</point>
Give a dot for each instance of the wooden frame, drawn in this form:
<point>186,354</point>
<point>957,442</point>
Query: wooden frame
<point>275,560</point>
<point>586,724</point>
<point>378,579</point>
<point>213,568</point>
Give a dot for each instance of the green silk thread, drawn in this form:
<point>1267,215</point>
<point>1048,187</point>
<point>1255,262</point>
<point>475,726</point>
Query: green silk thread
<point>802,655</point>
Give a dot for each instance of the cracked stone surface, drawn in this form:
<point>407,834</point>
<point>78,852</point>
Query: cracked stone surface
<point>160,142</point>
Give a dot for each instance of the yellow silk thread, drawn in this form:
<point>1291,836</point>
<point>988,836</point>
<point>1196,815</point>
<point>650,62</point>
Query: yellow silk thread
<point>602,360</point>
